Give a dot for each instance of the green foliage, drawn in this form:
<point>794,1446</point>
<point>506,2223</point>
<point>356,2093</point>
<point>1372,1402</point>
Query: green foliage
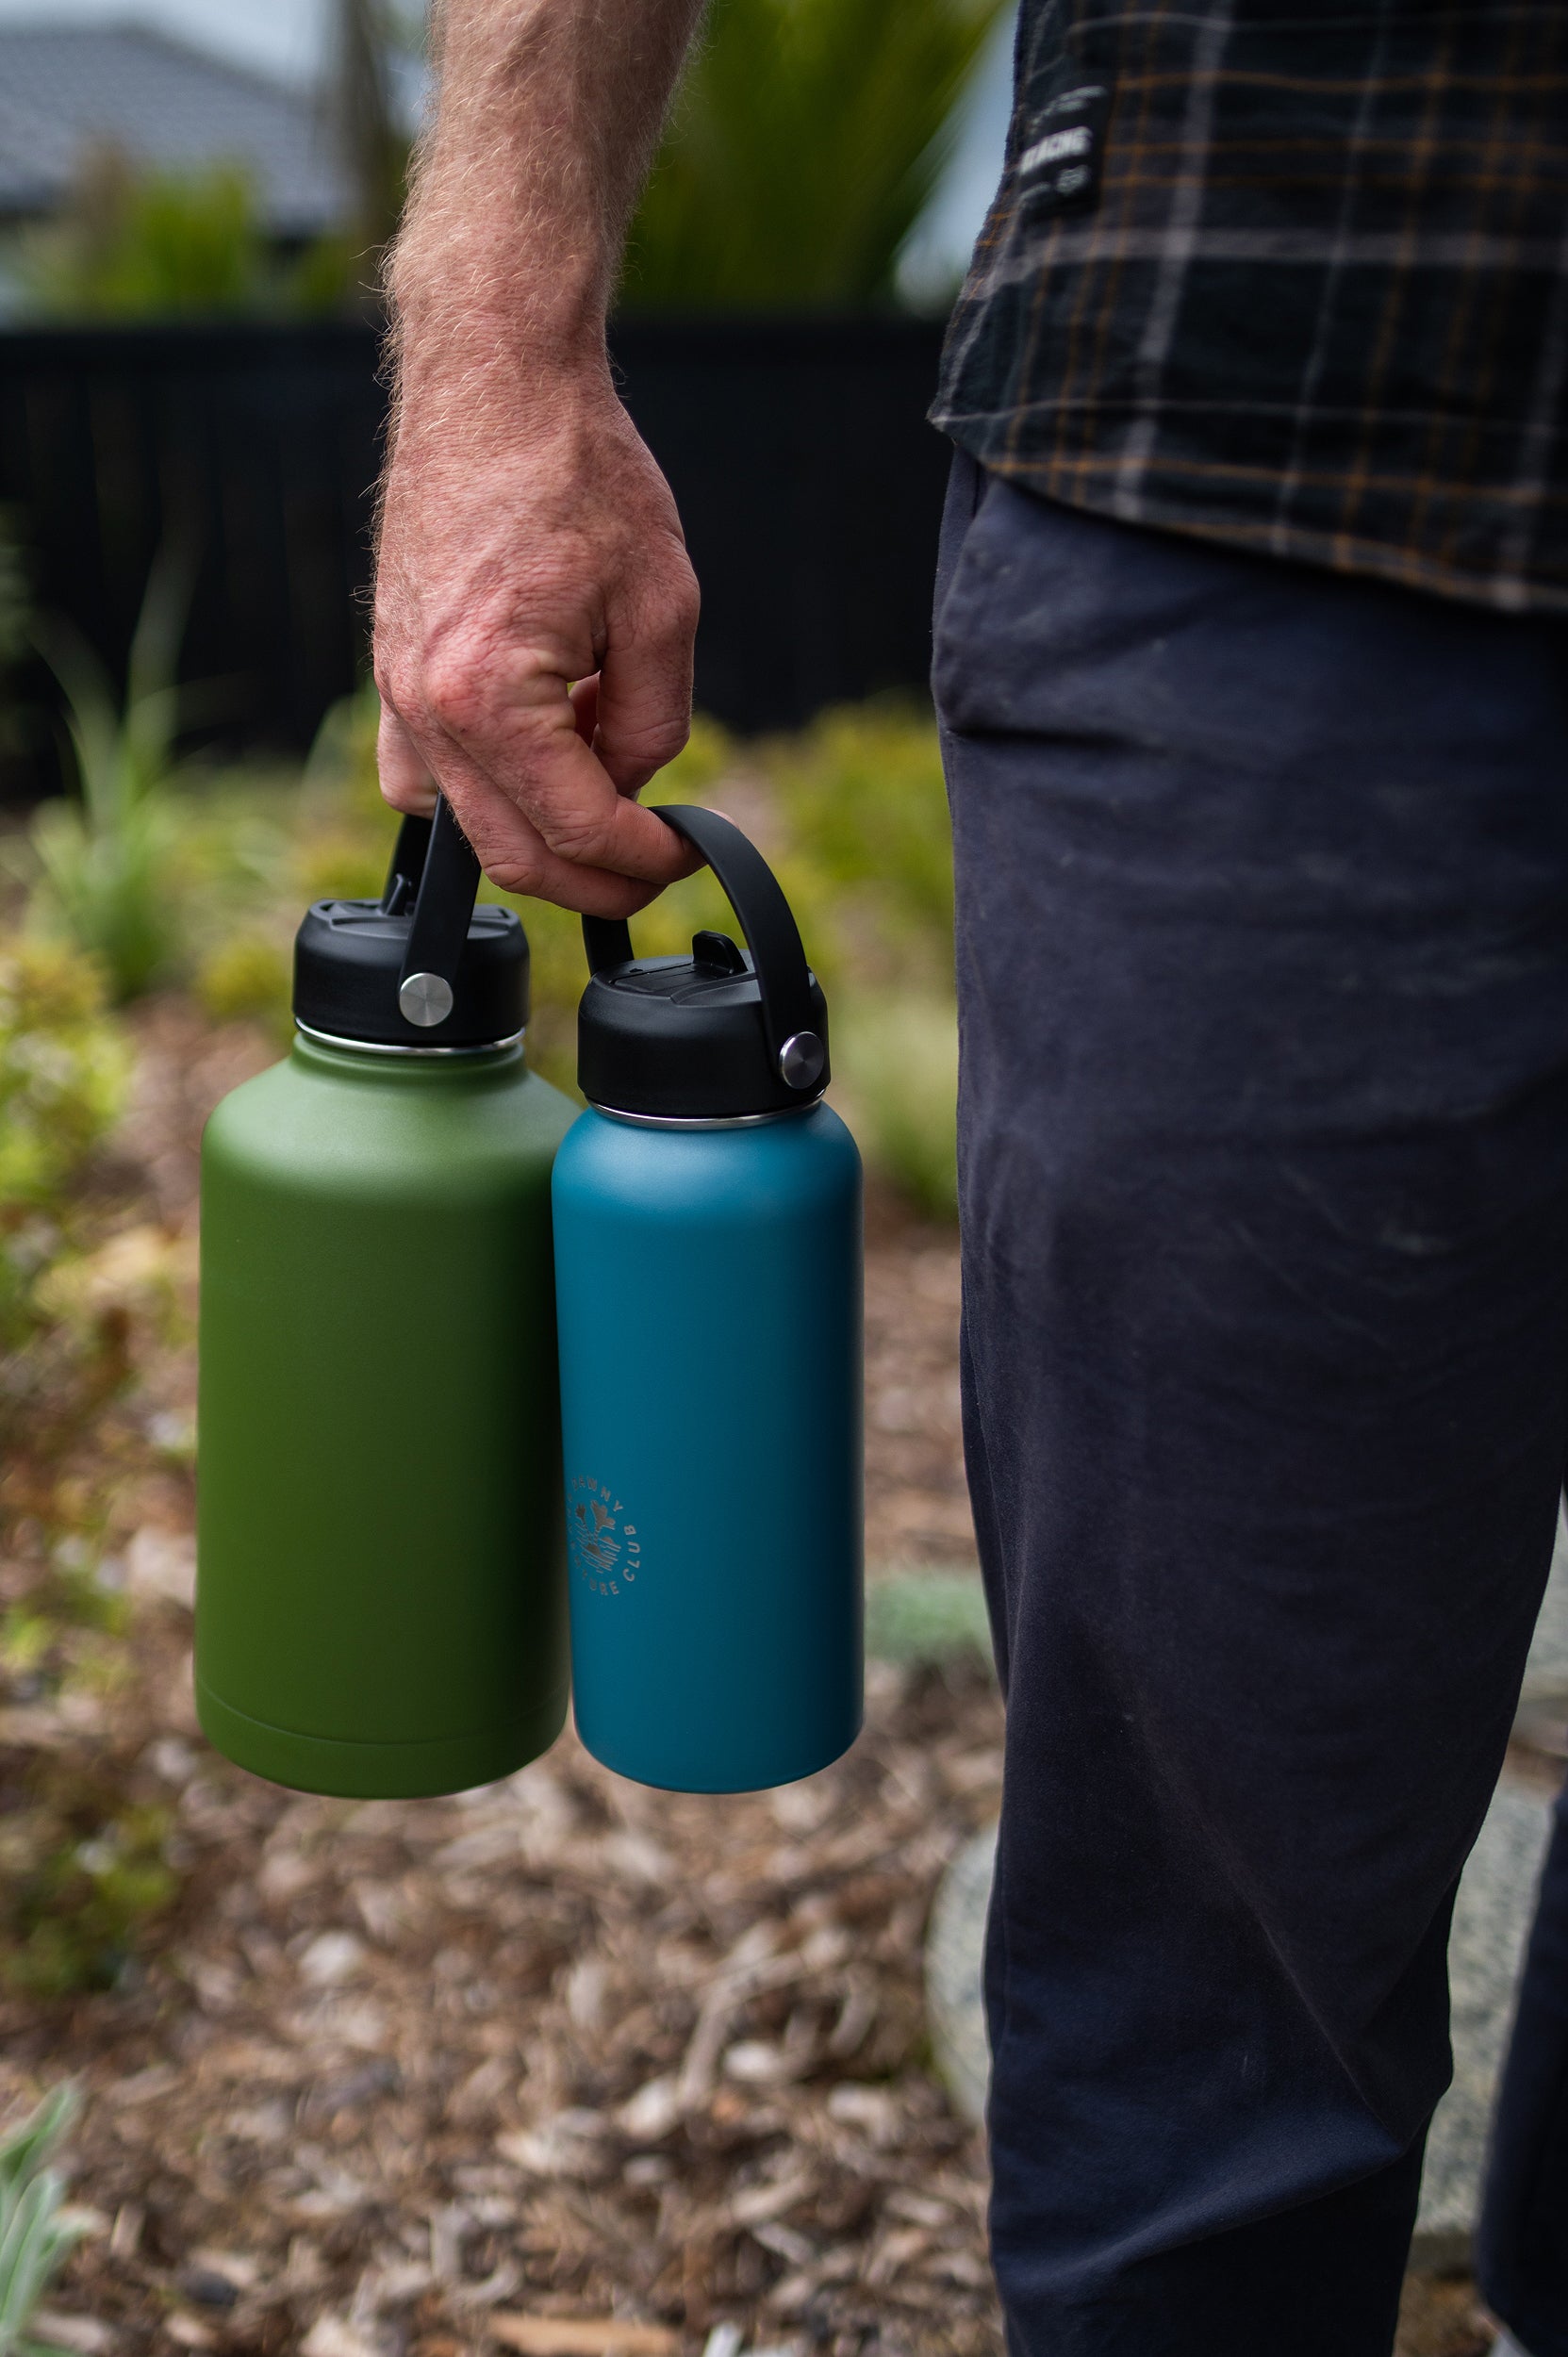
<point>62,1073</point>
<point>155,245</point>
<point>247,980</point>
<point>169,245</point>
<point>107,865</point>
<point>896,1059</point>
<point>862,793</point>
<point>84,1872</point>
<point>35,2238</point>
<point>921,1616</point>
<point>63,1070</point>
<point>802,145</point>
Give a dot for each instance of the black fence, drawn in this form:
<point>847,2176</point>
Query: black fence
<point>809,482</point>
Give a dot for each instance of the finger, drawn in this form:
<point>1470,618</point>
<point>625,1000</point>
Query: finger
<point>521,734</point>
<point>511,849</point>
<point>405,780</point>
<point>584,703</point>
<point>644,704</point>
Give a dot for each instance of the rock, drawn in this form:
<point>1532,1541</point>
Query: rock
<point>330,1958</point>
<point>208,2288</point>
<point>648,2116</point>
<point>1543,1723</point>
<point>1548,1665</point>
<point>162,1563</point>
<point>85,2336</point>
<point>954,1950</point>
<point>333,2336</point>
<point>1492,1921</point>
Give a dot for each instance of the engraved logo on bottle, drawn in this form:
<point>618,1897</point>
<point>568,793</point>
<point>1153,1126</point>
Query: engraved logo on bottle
<point>604,1547</point>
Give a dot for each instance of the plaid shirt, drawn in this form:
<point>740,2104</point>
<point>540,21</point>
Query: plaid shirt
<point>1292,275</point>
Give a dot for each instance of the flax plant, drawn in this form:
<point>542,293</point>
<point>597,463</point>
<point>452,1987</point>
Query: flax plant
<point>35,2237</point>
<point>105,861</point>
<point>802,145</point>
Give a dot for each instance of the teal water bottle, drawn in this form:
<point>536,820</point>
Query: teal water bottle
<point>707,1214</point>
<point>381,1592</point>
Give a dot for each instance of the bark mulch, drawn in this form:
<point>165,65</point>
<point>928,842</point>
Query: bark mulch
<point>400,2075</point>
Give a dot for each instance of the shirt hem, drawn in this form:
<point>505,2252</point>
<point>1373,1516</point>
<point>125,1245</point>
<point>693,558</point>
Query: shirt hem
<point>1358,555</point>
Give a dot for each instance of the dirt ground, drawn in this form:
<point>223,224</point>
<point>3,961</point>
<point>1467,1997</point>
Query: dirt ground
<point>562,2067</point>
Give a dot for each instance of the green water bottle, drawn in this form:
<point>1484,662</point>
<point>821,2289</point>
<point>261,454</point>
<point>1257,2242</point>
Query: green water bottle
<point>380,1602</point>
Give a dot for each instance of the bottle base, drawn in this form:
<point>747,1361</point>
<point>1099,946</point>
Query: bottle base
<point>378,1772</point>
<point>757,1775</point>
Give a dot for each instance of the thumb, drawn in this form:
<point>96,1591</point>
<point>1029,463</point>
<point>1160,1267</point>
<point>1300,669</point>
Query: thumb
<point>405,780</point>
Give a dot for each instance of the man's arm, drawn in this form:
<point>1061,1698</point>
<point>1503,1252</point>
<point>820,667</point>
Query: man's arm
<point>528,541</point>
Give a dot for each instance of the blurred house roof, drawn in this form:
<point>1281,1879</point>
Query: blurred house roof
<point>66,92</point>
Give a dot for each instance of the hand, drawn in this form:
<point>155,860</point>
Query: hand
<point>535,616</point>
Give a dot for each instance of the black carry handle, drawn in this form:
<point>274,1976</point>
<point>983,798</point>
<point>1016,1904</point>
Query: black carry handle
<point>434,867</point>
<point>408,858</point>
<point>783,979</point>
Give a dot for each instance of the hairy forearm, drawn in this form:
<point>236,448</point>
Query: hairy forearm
<point>536,608</point>
<point>548,118</point>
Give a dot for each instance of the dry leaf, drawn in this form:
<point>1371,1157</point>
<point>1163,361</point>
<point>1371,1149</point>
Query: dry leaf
<point>330,2337</point>
<point>85,2336</point>
<point>580,2337</point>
<point>162,1563</point>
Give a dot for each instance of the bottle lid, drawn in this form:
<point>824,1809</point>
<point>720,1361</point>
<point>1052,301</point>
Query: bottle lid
<point>719,1035</point>
<point>421,967</point>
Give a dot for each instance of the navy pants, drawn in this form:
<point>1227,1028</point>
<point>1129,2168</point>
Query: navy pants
<point>1263,962</point>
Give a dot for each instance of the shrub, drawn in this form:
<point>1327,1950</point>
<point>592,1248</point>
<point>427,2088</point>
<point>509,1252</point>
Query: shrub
<point>896,1062</point>
<point>861,796</point>
<point>133,245</point>
<point>85,1873</point>
<point>247,979</point>
<point>63,1071</point>
<point>802,145</point>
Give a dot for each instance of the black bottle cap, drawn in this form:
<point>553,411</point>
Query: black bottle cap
<point>716,1035</point>
<point>421,966</point>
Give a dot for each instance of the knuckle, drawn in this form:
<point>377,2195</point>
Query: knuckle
<point>671,738</point>
<point>452,690</point>
<point>578,838</point>
<point>394,680</point>
<point>652,744</point>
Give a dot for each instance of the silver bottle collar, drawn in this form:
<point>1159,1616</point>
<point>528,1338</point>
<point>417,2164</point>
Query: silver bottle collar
<point>705,1121</point>
<point>393,1047</point>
